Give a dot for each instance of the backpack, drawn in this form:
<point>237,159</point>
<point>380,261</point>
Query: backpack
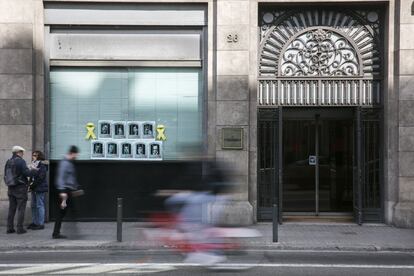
<point>10,177</point>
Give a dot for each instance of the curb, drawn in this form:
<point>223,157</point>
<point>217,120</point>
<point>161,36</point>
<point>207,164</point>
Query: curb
<point>264,247</point>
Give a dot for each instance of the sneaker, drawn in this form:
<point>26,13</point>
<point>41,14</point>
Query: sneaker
<point>10,231</point>
<point>59,236</point>
<point>204,258</point>
<point>38,227</point>
<point>21,231</point>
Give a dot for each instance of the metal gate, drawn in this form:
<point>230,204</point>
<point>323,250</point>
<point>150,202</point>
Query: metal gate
<point>320,57</point>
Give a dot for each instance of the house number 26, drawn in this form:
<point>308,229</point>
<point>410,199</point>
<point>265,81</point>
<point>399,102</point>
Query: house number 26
<point>232,38</point>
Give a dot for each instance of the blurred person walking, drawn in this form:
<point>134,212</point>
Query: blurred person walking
<point>16,174</point>
<point>66,182</point>
<point>38,188</point>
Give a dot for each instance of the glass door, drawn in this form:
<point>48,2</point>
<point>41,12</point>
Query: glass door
<point>318,164</point>
<point>298,176</point>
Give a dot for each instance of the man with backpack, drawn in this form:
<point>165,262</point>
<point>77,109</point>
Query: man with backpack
<point>16,175</point>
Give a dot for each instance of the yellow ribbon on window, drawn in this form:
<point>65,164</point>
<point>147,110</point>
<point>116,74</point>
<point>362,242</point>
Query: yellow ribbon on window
<point>160,131</point>
<point>90,127</point>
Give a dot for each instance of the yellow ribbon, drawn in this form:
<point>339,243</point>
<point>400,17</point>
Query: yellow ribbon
<point>160,131</point>
<point>90,127</point>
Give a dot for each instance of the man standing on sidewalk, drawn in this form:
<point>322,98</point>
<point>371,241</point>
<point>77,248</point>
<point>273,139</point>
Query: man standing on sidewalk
<point>16,173</point>
<point>65,183</point>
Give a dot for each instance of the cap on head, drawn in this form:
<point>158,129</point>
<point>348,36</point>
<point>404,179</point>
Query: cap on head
<point>16,149</point>
<point>73,149</point>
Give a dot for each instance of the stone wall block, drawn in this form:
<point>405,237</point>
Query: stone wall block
<point>211,129</point>
<point>232,12</point>
<point>406,142</point>
<point>12,135</point>
<point>16,61</point>
<point>233,37</point>
<point>404,214</point>
<point>16,11</point>
<point>406,37</point>
<point>406,62</point>
<point>406,188</point>
<point>254,48</point>
<point>406,113</point>
<point>39,65</point>
<point>16,36</point>
<point>405,12</point>
<point>232,63</point>
<point>3,189</point>
<point>40,125</point>
<point>240,187</point>
<point>40,87</point>
<point>406,84</point>
<point>406,162</point>
<point>253,127</point>
<point>235,88</point>
<point>232,113</point>
<point>16,112</point>
<point>237,160</point>
<point>16,86</point>
<point>230,213</point>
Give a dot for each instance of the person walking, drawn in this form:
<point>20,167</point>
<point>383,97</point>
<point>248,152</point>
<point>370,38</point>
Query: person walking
<point>16,174</point>
<point>38,188</point>
<point>66,182</point>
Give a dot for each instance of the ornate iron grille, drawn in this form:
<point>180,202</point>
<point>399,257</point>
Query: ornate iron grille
<point>319,57</point>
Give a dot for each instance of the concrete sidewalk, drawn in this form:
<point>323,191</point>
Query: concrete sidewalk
<point>292,236</point>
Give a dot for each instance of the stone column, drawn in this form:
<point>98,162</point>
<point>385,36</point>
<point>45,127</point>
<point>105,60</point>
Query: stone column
<point>232,99</point>
<point>404,209</point>
<point>18,50</point>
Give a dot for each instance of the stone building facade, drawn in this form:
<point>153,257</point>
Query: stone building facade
<point>231,55</point>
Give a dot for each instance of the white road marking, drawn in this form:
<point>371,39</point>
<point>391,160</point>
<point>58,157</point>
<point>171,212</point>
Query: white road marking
<point>121,268</point>
<point>43,268</point>
<point>98,268</point>
<point>148,269</point>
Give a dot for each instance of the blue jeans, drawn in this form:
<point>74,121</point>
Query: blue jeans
<point>38,208</point>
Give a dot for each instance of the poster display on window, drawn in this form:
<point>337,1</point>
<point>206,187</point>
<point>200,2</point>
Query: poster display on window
<point>126,104</point>
<point>97,149</point>
<point>148,129</point>
<point>119,130</point>
<point>131,140</point>
<point>134,130</point>
<point>140,151</point>
<point>104,129</point>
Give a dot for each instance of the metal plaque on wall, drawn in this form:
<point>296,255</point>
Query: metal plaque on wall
<point>232,138</point>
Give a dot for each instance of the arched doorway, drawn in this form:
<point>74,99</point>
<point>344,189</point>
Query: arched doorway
<point>319,100</point>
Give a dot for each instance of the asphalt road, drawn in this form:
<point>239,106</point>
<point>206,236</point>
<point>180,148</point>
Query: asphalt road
<point>162,262</point>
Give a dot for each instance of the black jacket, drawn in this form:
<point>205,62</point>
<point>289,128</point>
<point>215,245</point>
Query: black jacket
<point>40,178</point>
<point>22,171</point>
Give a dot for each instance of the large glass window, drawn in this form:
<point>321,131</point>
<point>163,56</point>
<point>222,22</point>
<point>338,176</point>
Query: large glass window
<point>168,96</point>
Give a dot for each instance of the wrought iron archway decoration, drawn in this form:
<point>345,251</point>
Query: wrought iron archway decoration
<point>320,57</point>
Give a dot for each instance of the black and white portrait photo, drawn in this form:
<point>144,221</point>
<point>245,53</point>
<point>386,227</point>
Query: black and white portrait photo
<point>155,150</point>
<point>148,130</point>
<point>104,129</point>
<point>133,130</point>
<point>97,149</point>
<point>140,150</point>
<point>112,150</point>
<point>119,130</point>
<point>126,150</point>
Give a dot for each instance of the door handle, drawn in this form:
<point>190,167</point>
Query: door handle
<point>312,160</point>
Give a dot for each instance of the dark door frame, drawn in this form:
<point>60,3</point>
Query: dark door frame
<point>275,117</point>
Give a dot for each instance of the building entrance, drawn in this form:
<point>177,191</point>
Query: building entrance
<point>318,160</point>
